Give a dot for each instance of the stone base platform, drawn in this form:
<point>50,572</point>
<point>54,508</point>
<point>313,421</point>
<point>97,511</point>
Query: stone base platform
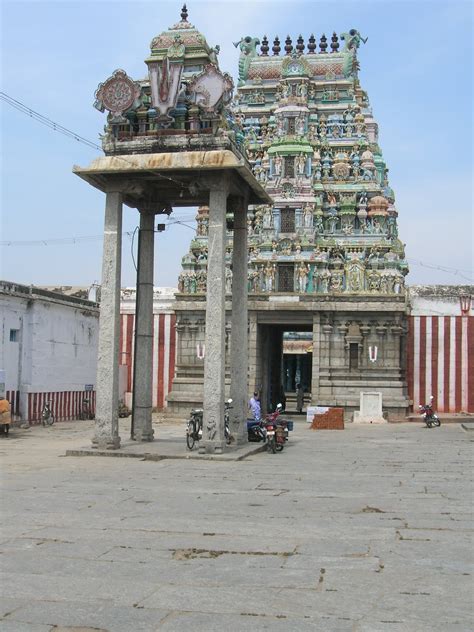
<point>169,448</point>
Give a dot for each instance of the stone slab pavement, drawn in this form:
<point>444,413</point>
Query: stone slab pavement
<point>368,529</point>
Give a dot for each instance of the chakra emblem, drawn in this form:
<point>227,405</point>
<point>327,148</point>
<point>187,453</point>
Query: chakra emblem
<point>117,94</point>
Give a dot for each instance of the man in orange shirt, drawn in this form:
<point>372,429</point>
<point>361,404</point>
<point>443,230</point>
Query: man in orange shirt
<point>5,416</point>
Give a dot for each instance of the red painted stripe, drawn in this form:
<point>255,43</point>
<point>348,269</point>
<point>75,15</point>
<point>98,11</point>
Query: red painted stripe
<point>122,323</point>
<point>434,359</point>
<point>423,359</point>
<point>409,360</point>
<point>128,348</point>
<point>161,358</point>
<point>458,362</point>
<point>447,334</point>
<point>470,363</point>
<point>172,351</point>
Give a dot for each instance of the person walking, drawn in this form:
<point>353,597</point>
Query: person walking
<point>299,398</point>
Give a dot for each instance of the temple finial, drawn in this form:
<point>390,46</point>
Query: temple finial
<point>184,14</point>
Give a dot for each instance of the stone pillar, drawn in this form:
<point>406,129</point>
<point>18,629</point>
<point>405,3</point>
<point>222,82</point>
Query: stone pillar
<point>106,420</point>
<point>214,361</point>
<point>315,360</point>
<point>143,360</point>
<point>239,333</point>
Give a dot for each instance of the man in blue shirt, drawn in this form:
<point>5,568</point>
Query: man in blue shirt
<point>255,407</point>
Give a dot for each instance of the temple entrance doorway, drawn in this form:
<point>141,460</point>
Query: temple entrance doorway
<point>286,353</point>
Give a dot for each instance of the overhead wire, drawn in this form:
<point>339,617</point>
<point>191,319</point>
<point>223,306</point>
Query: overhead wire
<point>44,120</point>
<point>57,127</point>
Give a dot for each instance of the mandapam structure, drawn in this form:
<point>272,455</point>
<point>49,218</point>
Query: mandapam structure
<point>170,140</point>
<point>326,269</point>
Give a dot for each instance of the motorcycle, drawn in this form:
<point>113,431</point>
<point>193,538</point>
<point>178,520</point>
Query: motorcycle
<point>256,430</point>
<point>277,430</point>
<point>195,424</point>
<point>430,418</point>
<point>271,429</point>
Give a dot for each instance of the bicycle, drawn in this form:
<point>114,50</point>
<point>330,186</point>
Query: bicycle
<point>47,418</point>
<point>194,426</point>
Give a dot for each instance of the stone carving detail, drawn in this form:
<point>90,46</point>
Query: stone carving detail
<point>310,141</point>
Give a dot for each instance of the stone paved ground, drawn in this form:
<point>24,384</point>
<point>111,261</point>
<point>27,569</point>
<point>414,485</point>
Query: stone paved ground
<point>367,529</point>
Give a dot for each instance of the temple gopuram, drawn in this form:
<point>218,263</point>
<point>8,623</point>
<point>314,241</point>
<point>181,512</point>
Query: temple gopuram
<point>327,301</point>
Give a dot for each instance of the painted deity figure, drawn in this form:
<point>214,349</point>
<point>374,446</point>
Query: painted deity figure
<point>325,278</point>
<point>269,276</point>
<point>228,280</point>
<point>277,163</point>
<point>355,279</point>
<point>302,277</point>
<point>373,281</point>
<point>312,132</point>
<point>267,218</point>
<point>192,283</point>
<point>300,126</point>
<point>392,227</point>
<point>302,90</point>
<point>337,278</point>
<point>308,216</point>
<point>318,225</point>
<point>315,278</point>
<point>301,164</point>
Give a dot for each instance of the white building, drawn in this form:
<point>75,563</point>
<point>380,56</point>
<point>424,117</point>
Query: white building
<point>48,350</point>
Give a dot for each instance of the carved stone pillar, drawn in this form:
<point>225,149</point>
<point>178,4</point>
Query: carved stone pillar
<point>106,420</point>
<point>143,364</point>
<point>239,331</point>
<point>214,361</point>
<point>316,358</point>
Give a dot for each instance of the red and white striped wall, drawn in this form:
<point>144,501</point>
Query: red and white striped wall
<point>65,405</point>
<point>164,353</point>
<point>13,397</point>
<point>440,362</point>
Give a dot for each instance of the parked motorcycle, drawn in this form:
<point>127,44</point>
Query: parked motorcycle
<point>272,429</point>
<point>256,430</point>
<point>430,418</point>
<point>277,430</point>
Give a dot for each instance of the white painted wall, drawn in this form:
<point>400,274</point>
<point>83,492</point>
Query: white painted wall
<point>438,300</point>
<point>64,349</point>
<point>56,348</point>
<point>12,316</point>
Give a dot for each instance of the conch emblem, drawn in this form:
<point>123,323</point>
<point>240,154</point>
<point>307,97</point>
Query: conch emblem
<point>211,89</point>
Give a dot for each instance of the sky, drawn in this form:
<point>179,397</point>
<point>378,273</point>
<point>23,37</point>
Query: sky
<point>416,68</point>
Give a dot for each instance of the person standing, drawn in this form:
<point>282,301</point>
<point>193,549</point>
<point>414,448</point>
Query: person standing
<point>5,416</point>
<point>255,406</point>
<point>299,398</point>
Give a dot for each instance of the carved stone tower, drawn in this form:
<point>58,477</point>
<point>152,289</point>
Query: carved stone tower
<point>327,304</point>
